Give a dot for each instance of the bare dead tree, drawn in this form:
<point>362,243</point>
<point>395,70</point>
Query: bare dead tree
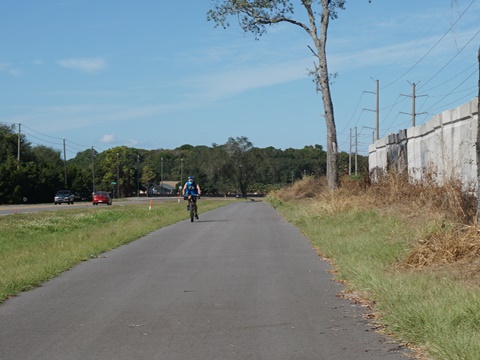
<point>254,15</point>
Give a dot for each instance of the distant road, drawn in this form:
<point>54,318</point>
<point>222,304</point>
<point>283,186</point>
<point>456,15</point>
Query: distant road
<point>241,283</point>
<point>14,209</point>
<point>28,208</point>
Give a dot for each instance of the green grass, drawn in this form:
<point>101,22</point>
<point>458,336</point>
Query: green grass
<point>38,246</point>
<point>438,315</point>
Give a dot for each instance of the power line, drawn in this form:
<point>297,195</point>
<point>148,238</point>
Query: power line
<point>451,92</point>
<point>473,94</point>
<point>77,146</point>
<point>439,71</point>
<point>416,42</point>
<point>36,137</point>
<point>353,114</point>
<point>35,131</point>
<point>83,146</point>
<point>431,49</point>
<point>446,81</point>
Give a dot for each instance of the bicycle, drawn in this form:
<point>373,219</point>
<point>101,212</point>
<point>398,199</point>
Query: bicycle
<point>193,208</point>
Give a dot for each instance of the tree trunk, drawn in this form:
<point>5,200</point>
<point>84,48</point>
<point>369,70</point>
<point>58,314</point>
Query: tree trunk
<point>332,148</point>
<point>332,151</point>
<point>478,142</point>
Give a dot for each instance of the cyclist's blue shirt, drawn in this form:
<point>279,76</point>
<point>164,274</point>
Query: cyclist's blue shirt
<point>191,188</point>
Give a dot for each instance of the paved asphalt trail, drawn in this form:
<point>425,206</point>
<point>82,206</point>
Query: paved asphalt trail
<point>241,283</point>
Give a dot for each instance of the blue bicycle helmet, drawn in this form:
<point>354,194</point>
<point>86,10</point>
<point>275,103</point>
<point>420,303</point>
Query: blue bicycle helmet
<point>190,177</point>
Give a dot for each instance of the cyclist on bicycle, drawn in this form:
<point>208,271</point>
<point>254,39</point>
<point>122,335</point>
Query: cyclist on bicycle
<point>191,188</point>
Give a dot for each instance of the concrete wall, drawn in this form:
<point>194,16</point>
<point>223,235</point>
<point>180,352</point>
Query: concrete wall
<point>444,147</point>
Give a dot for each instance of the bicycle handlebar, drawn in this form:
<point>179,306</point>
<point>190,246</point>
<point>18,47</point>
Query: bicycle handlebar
<point>192,195</point>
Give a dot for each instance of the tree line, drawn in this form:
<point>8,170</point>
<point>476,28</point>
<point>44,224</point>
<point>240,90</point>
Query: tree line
<point>234,167</point>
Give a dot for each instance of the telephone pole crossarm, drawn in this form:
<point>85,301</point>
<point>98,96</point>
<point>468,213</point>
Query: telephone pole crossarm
<point>377,109</point>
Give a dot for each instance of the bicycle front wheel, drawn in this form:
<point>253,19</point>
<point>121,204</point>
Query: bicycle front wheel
<point>192,210</point>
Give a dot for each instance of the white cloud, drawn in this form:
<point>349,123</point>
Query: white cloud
<point>232,81</point>
<point>131,142</point>
<point>91,65</point>
<point>9,69</point>
<point>108,139</point>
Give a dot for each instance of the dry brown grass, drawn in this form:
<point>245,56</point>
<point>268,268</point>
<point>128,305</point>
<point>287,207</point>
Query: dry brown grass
<point>308,187</point>
<point>443,216</point>
<point>445,246</point>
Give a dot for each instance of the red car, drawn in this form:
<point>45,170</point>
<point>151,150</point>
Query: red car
<point>102,197</point>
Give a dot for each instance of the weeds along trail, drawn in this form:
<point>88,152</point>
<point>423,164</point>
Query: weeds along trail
<point>444,216</point>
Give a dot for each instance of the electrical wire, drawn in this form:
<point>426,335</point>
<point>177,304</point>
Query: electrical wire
<point>458,53</point>
<point>353,114</point>
<point>69,144</point>
<point>451,92</point>
<point>416,42</point>
<point>36,137</point>
<point>431,49</point>
<point>452,78</point>
<point>37,132</point>
<point>473,94</point>
<point>83,146</point>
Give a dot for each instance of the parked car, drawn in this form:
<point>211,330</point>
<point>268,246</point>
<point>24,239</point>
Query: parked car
<point>102,197</point>
<point>64,196</point>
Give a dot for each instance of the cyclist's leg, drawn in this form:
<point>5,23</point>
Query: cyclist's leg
<point>196,210</point>
<point>192,209</point>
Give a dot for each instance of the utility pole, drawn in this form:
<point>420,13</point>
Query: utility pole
<point>161,177</point>
<point>377,109</point>
<point>118,177</point>
<point>350,155</point>
<point>356,151</point>
<point>93,172</point>
<point>413,96</point>
<point>373,132</point>
<point>65,161</point>
<point>377,112</point>
<point>138,175</point>
<point>181,171</point>
<point>413,105</point>
<point>19,144</point>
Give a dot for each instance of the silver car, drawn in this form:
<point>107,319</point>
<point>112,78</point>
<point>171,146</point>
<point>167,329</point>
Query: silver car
<point>64,196</point>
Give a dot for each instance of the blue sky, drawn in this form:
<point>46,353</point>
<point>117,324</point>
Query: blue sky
<point>155,74</point>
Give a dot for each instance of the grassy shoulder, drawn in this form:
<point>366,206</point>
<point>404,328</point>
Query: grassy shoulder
<point>38,246</point>
<point>430,308</point>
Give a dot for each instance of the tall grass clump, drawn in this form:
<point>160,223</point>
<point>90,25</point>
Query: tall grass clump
<point>405,249</point>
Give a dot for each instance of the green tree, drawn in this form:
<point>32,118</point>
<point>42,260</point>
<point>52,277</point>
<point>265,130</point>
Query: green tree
<point>46,172</point>
<point>148,177</point>
<point>35,178</point>
<point>109,167</point>
<point>240,162</point>
<point>84,171</point>
<point>216,169</point>
<point>8,142</point>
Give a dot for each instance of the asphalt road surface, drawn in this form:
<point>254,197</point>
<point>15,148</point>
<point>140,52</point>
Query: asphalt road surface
<point>241,283</point>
